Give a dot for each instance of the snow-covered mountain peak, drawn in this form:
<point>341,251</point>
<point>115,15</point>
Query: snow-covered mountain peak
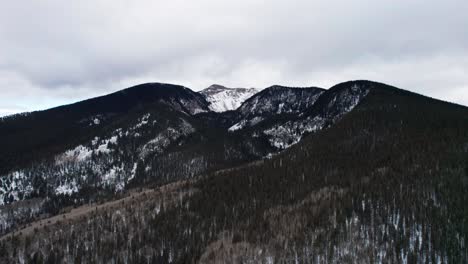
<point>223,99</point>
<point>214,88</point>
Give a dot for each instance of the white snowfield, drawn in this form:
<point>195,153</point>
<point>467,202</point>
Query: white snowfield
<point>223,99</point>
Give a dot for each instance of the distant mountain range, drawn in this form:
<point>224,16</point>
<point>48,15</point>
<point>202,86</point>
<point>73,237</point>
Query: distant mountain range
<point>278,174</point>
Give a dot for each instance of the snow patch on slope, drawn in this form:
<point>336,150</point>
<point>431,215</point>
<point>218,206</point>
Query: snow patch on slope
<point>285,135</point>
<point>67,188</point>
<point>166,137</point>
<point>245,123</point>
<point>14,187</point>
<point>81,153</point>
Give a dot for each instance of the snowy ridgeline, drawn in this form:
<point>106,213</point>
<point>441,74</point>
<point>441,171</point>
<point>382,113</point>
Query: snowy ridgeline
<point>283,135</point>
<point>103,162</point>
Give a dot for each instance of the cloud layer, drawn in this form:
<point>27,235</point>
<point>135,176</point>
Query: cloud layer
<point>55,52</point>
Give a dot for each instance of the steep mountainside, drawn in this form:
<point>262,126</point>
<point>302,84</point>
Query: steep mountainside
<point>223,99</point>
<point>383,181</point>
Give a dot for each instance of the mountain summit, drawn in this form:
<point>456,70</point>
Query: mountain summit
<point>223,99</point>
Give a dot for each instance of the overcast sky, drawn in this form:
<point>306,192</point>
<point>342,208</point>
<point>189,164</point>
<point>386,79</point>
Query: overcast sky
<point>56,52</point>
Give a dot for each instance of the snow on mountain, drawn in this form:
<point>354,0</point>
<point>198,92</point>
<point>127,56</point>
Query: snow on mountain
<point>282,115</point>
<point>223,99</point>
<point>102,161</point>
<point>280,99</point>
<point>330,108</point>
<point>273,101</point>
<point>308,110</point>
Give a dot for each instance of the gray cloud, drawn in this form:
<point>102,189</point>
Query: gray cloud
<point>52,52</point>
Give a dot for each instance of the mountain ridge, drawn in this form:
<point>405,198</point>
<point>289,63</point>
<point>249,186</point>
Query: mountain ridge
<point>154,118</point>
<point>378,174</point>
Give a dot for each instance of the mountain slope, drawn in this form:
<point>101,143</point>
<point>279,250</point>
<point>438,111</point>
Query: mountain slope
<point>385,183</point>
<point>283,115</point>
<point>223,99</point>
<point>90,150</point>
<point>273,102</point>
<point>106,144</point>
<point>22,136</point>
<point>280,99</point>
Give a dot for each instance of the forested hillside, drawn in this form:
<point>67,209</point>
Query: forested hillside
<point>383,179</point>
